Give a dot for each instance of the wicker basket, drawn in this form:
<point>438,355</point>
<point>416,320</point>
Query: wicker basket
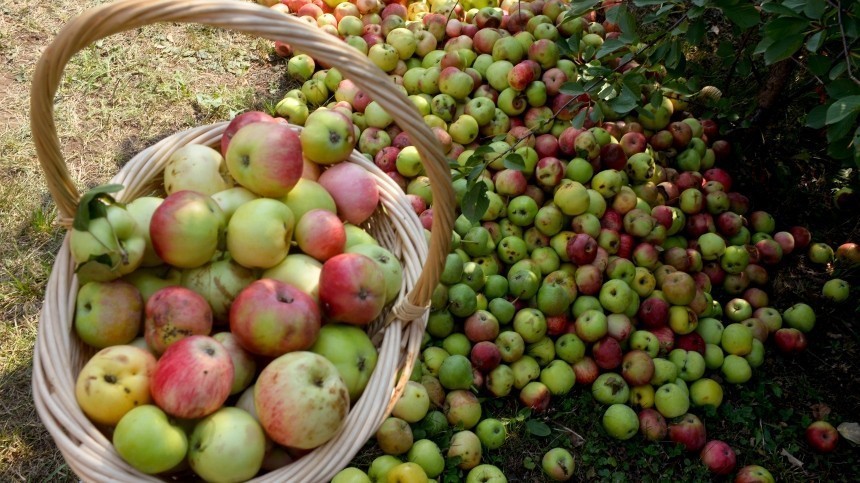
<point>59,354</point>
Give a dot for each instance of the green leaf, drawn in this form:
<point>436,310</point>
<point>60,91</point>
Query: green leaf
<point>579,7</point>
<point>842,88</point>
<point>815,117</point>
<point>795,5</point>
<point>696,32</point>
<point>838,70</point>
<point>514,161</point>
<point>760,47</point>
<point>840,129</point>
<point>572,88</point>
<point>842,108</point>
<point>815,41</point>
<point>627,24</point>
<point>786,26</point>
<point>579,119</point>
<point>93,204</point>
<point>818,64</point>
<point>538,428</point>
<point>475,173</point>
<point>775,8</point>
<point>814,9</point>
<point>648,3</point>
<point>596,113</point>
<point>782,49</point>
<point>742,14</point>
<point>608,47</point>
<point>656,99</point>
<point>475,202</point>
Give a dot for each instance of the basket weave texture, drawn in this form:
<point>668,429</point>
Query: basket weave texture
<point>59,354</point>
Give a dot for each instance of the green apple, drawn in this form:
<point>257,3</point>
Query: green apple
<point>620,421</point>
<point>413,403</point>
<point>486,474</point>
<point>671,400</point>
<point>467,446</point>
<point>737,339</point>
<point>149,441</point>
<point>308,195</point>
<point>351,475</point>
<point>351,351</point>
<point>491,432</point>
<point>799,316</point>
<point>298,270</point>
<point>836,290</point>
<point>195,167</point>
<point>736,369</point>
<point>706,392</point>
<point>380,466</point>
<point>262,215</point>
<point>142,209</point>
<point>610,388</point>
<point>394,436</point>
<point>428,456</point>
<point>228,445</point>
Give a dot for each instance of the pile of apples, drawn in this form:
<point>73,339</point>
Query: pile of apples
<point>230,315</point>
<point>613,256</point>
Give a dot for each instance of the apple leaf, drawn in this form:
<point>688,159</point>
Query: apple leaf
<point>579,7</point>
<point>815,117</point>
<point>815,41</point>
<point>656,99</point>
<point>572,88</point>
<point>475,202</point>
<point>782,49</point>
<point>538,428</point>
<point>842,108</point>
<point>514,161</point>
<point>579,119</point>
<point>742,14</point>
<point>93,204</point>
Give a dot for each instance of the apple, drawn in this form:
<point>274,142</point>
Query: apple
<point>799,316</point>
<point>262,215</point>
<point>320,234</point>
<point>301,400</point>
<point>754,474</point>
<point>652,424</point>
<point>351,475</point>
<point>467,446</point>
<point>719,457</point>
<point>462,408</point>
<point>671,400</point>
<point>609,388</point>
<point>689,431</point>
<point>558,464</point>
<point>174,313</point>
<point>414,403</point>
<point>109,246</point>
<point>351,351</point>
<point>308,195</point>
<point>193,377</point>
<point>426,454</point>
<point>407,473</point>
<point>114,381</point>
<point>227,445</point>
<point>237,122</point>
<point>270,318</point>
<point>149,441</point>
<point>736,369</point>
<point>352,289</point>
<point>195,167</point>
<point>706,392</point>
<point>328,136</point>
<point>381,466</point>
<point>244,364</point>
<point>354,190</point>
<point>108,313</point>
<point>265,158</point>
<point>820,253</point>
<point>394,436</point>
<point>485,474</point>
<point>620,421</point>
<point>822,436</point>
<point>186,229</point>
<point>500,380</point>
<point>836,290</point>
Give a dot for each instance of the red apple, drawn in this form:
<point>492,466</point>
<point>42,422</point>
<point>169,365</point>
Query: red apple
<point>354,191</point>
<point>689,431</point>
<point>270,318</point>
<point>193,377</point>
<point>173,313</point>
<point>352,289</point>
<point>719,457</point>
<point>822,436</point>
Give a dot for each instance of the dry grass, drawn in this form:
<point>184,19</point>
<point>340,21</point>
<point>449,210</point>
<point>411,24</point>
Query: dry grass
<point>120,95</point>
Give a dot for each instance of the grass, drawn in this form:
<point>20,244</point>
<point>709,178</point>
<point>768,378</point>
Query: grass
<point>126,92</point>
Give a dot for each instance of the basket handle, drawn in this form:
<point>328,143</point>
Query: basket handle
<point>248,18</point>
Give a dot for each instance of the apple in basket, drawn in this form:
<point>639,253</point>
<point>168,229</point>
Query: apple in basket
<point>186,229</point>
<point>271,318</point>
<point>114,380</point>
<point>301,400</point>
<point>266,158</point>
<point>193,377</point>
<point>352,289</point>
